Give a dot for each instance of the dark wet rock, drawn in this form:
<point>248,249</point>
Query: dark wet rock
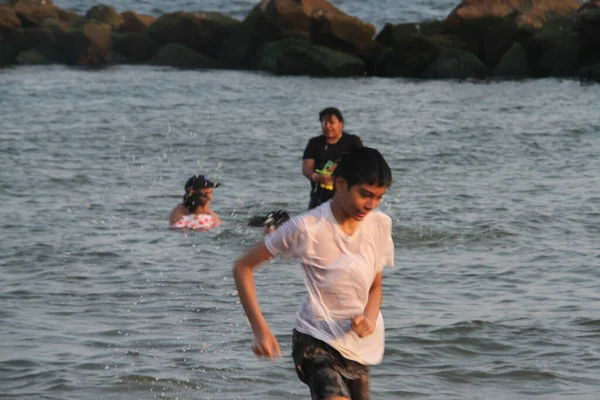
<point>202,32</point>
<point>105,14</point>
<point>562,59</point>
<point>514,63</point>
<point>38,38</point>
<point>117,58</point>
<point>589,72</point>
<point>134,22</point>
<point>11,35</point>
<point>556,47</point>
<point>587,24</point>
<point>456,64</point>
<point>180,56</point>
<point>294,56</point>
<point>411,55</point>
<point>137,47</point>
<point>392,33</point>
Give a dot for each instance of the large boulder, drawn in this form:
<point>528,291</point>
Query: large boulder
<point>491,26</point>
<point>180,56</point>
<point>587,24</point>
<point>555,49</point>
<point>410,56</point>
<point>341,32</point>
<point>105,14</point>
<point>11,35</point>
<point>294,56</point>
<point>393,33</point>
<point>456,64</point>
<point>528,14</point>
<point>202,32</point>
<point>134,22</point>
<point>33,15</point>
<point>90,45</point>
<point>589,72</point>
<point>273,20</point>
<point>514,63</point>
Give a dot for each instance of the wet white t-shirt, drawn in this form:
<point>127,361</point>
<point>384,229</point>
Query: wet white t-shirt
<point>338,272</point>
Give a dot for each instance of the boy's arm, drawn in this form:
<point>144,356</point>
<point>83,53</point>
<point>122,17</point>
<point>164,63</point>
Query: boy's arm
<point>364,324</point>
<point>265,342</point>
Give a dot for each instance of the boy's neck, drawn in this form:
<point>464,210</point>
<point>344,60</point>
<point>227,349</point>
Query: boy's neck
<point>345,221</point>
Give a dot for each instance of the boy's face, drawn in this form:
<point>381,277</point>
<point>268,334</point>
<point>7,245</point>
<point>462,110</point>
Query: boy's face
<point>358,201</point>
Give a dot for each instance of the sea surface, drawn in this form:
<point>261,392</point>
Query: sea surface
<point>495,292</point>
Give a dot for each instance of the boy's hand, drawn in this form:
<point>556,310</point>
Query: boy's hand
<point>266,345</point>
<point>362,326</point>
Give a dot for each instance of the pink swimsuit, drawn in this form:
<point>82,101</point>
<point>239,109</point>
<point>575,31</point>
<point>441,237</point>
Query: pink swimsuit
<point>202,222</point>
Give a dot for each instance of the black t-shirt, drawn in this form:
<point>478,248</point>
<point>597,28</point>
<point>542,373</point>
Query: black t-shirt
<point>326,155</point>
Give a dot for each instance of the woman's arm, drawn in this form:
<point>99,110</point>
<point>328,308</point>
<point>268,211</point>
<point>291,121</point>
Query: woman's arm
<point>266,344</point>
<point>364,324</point>
<point>308,169</point>
<point>177,213</point>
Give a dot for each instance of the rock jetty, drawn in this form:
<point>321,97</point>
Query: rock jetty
<point>479,39</point>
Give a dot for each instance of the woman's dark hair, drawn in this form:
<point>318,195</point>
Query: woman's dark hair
<point>193,200</point>
<point>331,112</point>
<point>364,165</point>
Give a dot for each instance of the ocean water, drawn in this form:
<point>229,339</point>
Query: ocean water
<point>495,293</point>
<point>377,13</point>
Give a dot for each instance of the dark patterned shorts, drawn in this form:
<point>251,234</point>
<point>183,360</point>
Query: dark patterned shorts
<point>326,372</point>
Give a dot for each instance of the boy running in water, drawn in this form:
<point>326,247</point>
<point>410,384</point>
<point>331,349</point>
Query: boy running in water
<point>342,246</point>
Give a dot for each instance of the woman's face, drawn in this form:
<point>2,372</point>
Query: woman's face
<point>207,193</point>
<point>331,127</point>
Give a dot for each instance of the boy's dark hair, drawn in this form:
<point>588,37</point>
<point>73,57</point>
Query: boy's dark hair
<point>364,165</point>
<point>193,200</point>
<point>331,112</point>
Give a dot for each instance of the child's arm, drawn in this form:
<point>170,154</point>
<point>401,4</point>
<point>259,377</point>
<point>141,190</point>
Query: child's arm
<point>364,324</point>
<point>266,344</point>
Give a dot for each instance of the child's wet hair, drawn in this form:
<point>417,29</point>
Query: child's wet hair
<point>192,200</point>
<point>270,221</point>
<point>364,165</point>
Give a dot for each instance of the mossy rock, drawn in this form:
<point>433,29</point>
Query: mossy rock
<point>299,57</point>
<point>105,14</point>
<point>411,55</point>
<point>36,57</point>
<point>514,63</point>
<point>456,64</point>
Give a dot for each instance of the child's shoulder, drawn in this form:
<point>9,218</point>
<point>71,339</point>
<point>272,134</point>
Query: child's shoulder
<point>382,219</point>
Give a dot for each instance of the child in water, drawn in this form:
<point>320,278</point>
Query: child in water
<point>195,212</point>
<point>342,246</point>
